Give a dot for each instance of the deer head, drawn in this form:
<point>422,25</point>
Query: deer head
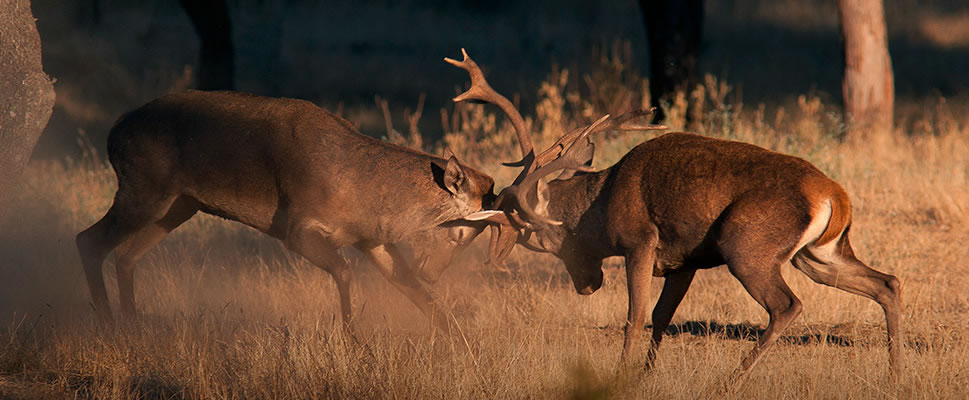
<point>436,247</point>
<point>470,190</point>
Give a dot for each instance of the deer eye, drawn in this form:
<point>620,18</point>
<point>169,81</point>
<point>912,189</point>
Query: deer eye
<point>457,234</point>
<point>461,234</point>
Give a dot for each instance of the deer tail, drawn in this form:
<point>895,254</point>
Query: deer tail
<point>840,217</point>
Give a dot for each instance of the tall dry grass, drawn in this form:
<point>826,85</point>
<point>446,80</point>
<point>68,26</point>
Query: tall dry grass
<point>227,313</point>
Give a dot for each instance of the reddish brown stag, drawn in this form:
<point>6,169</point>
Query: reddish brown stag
<point>679,203</point>
<point>290,170</point>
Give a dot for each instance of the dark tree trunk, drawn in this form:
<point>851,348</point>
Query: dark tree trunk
<point>211,21</point>
<point>868,87</point>
<point>675,30</point>
<point>26,94</point>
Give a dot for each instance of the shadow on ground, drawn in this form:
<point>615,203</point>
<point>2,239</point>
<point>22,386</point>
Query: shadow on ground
<point>751,333</point>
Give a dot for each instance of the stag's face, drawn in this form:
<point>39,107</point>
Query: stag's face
<point>436,248</point>
<point>586,280</point>
<point>585,270</point>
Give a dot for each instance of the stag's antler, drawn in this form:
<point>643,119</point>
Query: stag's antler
<point>574,157</point>
<point>572,152</point>
<point>630,121</point>
<point>480,90</point>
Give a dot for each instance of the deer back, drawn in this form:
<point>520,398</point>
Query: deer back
<point>254,159</point>
<point>681,186</point>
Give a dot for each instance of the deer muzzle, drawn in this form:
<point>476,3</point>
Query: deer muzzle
<point>586,284</point>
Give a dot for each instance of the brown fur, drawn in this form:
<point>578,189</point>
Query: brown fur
<point>683,202</point>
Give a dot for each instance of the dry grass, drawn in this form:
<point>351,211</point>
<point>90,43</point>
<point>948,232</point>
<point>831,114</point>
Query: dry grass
<point>229,314</point>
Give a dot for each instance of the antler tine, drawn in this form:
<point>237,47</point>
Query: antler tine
<point>480,90</point>
<point>503,239</point>
<point>624,122</point>
<point>571,158</point>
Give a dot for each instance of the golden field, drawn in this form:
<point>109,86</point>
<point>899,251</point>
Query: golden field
<point>228,313</point>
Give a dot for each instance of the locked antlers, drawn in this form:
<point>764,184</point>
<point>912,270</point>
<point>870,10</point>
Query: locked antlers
<point>523,205</point>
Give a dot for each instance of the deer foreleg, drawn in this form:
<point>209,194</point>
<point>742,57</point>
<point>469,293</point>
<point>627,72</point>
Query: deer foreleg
<point>310,240</point>
<point>395,267</point>
<point>639,268</point>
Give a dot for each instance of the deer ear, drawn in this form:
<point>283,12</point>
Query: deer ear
<point>584,158</point>
<point>455,180</point>
<point>542,196</point>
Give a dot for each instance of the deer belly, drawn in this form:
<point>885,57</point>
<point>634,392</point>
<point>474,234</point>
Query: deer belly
<point>258,210</point>
<point>669,263</point>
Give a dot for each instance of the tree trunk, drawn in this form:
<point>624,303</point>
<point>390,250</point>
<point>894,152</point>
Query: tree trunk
<point>868,87</point>
<point>216,64</point>
<point>26,94</point>
<point>675,30</point>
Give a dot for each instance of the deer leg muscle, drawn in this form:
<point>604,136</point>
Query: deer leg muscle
<point>310,240</point>
<point>131,212</point>
<point>394,266</point>
<point>844,271</point>
<point>639,269</point>
<point>128,253</point>
<point>755,243</point>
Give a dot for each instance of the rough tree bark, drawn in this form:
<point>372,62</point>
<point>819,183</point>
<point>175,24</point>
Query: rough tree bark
<point>212,24</point>
<point>868,87</point>
<point>26,93</point>
<point>675,30</point>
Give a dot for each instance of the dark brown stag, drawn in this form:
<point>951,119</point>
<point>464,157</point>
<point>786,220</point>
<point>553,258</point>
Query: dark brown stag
<point>290,170</point>
<point>678,203</point>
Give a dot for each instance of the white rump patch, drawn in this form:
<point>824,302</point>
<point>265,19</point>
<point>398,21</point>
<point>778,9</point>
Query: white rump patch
<point>818,224</point>
<point>815,229</point>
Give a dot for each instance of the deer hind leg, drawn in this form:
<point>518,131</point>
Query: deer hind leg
<point>396,268</point>
<point>128,253</point>
<point>835,264</point>
<point>312,241</point>
<point>130,212</point>
<point>675,287</point>
<point>764,283</point>
<point>755,240</point>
